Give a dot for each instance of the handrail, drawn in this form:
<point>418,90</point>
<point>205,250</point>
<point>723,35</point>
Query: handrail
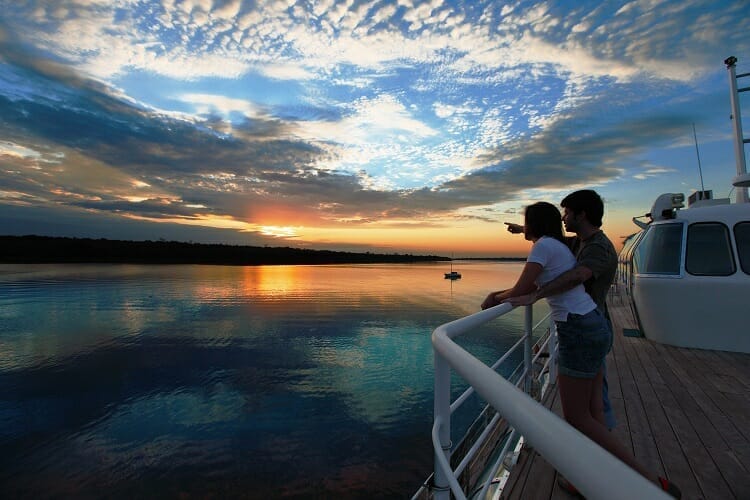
<point>480,440</point>
<point>564,447</point>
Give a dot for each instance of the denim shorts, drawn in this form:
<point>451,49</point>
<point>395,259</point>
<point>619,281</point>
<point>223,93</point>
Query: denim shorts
<point>584,341</point>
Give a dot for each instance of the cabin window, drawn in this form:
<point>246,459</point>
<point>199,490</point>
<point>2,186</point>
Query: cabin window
<point>659,251</point>
<point>742,237</point>
<point>624,261</point>
<point>709,250</point>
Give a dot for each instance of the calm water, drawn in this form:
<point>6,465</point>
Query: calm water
<point>196,381</point>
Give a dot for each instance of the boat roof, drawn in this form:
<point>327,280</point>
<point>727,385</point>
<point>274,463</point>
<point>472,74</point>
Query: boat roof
<point>729,214</point>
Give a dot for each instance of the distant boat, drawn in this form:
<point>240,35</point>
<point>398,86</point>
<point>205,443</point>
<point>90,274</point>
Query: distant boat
<point>453,275</point>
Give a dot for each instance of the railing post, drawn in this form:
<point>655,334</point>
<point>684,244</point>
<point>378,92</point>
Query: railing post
<point>552,346</point>
<point>442,412</point>
<point>527,356</point>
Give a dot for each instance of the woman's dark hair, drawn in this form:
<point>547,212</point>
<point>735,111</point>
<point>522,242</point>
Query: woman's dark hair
<point>544,219</point>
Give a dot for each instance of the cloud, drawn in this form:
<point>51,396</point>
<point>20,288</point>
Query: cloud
<point>210,104</point>
<point>268,162</point>
<point>290,71</point>
<point>191,39</point>
<point>323,112</point>
<point>653,172</point>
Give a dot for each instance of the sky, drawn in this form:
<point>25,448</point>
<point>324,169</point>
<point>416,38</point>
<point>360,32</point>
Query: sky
<point>396,126</point>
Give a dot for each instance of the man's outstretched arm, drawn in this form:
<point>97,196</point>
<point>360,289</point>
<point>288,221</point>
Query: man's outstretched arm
<point>562,283</point>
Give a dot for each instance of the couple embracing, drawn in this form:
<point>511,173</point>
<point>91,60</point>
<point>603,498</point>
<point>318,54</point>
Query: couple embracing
<point>574,275</point>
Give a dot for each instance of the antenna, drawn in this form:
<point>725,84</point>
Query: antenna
<point>697,153</point>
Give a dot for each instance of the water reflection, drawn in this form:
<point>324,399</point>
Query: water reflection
<point>219,380</point>
<point>276,281</point>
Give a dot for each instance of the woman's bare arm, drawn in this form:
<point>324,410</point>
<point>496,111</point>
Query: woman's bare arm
<point>524,285</point>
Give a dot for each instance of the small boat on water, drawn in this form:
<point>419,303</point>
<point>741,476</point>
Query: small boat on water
<point>453,275</point>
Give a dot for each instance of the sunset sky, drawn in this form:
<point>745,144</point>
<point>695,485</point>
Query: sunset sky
<point>390,126</point>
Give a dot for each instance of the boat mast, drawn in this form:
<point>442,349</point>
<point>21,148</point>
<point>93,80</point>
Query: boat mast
<point>697,153</point>
<point>742,181</point>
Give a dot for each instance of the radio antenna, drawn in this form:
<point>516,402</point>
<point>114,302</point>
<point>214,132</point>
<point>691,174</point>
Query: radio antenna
<point>697,153</point>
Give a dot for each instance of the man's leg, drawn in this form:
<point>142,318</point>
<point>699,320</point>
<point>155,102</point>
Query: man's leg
<point>609,415</point>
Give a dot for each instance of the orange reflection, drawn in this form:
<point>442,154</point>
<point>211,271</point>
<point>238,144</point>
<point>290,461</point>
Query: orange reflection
<point>273,280</point>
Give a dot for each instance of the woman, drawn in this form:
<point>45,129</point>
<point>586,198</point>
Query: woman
<point>583,334</point>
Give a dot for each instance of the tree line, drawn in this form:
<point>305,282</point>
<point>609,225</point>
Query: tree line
<point>49,249</point>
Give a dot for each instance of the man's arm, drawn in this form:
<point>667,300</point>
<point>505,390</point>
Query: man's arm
<point>562,283</point>
<point>525,284</point>
<point>491,299</point>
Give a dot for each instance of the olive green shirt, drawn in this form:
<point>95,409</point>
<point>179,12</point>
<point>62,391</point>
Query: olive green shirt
<point>598,255</point>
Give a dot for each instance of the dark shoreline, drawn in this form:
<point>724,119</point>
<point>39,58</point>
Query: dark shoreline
<point>48,249</point>
<point>32,249</point>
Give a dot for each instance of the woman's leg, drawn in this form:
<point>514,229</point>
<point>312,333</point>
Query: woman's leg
<point>575,395</point>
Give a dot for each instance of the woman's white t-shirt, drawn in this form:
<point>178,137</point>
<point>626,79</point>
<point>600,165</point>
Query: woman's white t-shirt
<point>556,258</point>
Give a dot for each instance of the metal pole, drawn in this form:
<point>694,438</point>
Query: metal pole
<point>739,143</point>
<point>442,413</point>
<point>700,170</point>
<point>552,351</point>
<point>527,357</point>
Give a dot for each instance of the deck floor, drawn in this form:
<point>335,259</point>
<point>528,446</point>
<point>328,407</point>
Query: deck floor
<point>684,413</point>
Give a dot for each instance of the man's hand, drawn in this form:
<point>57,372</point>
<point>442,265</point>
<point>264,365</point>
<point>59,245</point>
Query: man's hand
<point>523,300</point>
<point>514,228</point>
<point>490,301</point>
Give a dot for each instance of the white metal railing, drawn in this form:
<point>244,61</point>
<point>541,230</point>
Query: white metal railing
<point>565,448</point>
<point>546,343</point>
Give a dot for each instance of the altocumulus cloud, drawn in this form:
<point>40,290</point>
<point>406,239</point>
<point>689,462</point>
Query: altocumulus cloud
<point>399,110</point>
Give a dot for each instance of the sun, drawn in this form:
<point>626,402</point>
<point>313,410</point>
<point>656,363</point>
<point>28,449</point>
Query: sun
<point>279,231</point>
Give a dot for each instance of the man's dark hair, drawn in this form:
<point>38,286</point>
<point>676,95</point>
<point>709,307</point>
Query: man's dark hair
<point>588,201</point>
<point>543,219</point>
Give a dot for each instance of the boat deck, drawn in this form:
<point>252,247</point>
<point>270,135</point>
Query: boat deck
<point>684,413</point>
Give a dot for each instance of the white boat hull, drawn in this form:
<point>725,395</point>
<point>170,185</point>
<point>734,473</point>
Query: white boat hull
<point>698,312</point>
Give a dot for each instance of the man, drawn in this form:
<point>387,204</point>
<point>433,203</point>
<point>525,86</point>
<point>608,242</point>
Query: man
<point>596,265</point>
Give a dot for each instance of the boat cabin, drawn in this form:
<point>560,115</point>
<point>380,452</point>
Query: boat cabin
<point>687,274</point>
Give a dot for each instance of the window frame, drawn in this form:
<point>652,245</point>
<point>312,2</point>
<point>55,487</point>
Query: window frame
<point>737,247</point>
<point>730,247</point>
<point>681,254</point>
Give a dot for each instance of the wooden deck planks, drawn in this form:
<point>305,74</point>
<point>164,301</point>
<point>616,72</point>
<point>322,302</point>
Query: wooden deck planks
<point>737,409</point>
<point>644,446</point>
<point>615,360</point>
<point>686,460</point>
<point>519,487</point>
<point>685,412</point>
<point>666,424</point>
<point>716,455</point>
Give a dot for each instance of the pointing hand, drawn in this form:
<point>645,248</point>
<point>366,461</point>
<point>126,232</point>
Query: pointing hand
<point>514,228</point>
